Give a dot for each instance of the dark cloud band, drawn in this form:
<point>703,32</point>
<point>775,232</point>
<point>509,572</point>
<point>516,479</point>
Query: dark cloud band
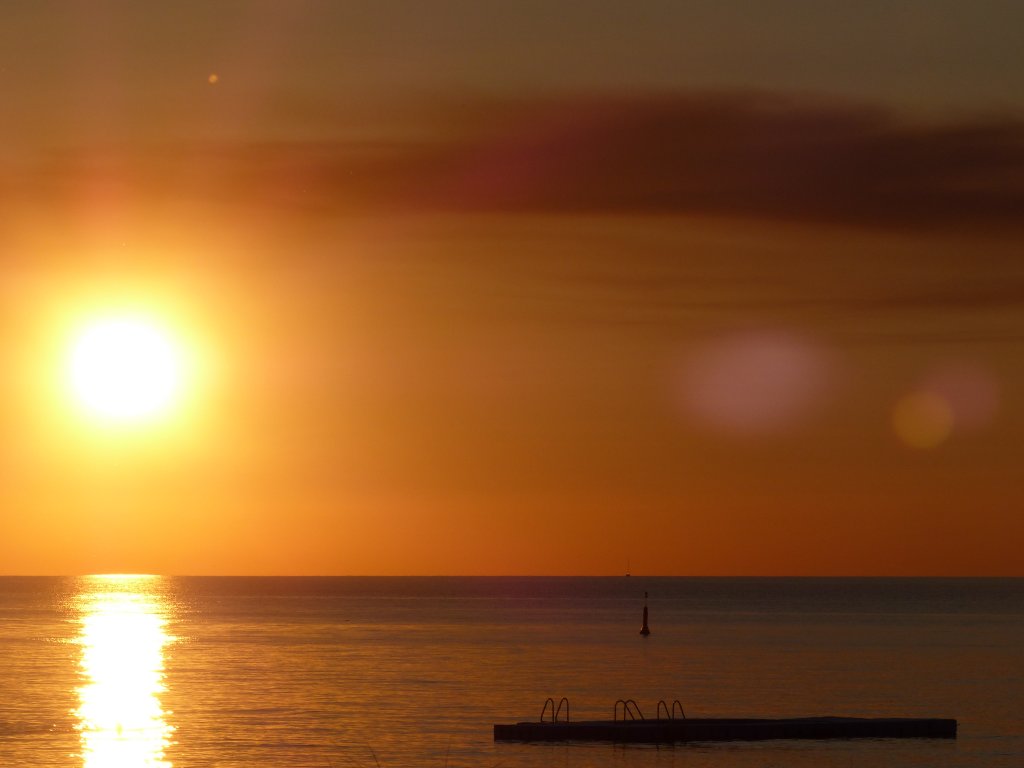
<point>728,155</point>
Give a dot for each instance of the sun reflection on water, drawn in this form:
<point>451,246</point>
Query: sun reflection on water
<point>123,634</point>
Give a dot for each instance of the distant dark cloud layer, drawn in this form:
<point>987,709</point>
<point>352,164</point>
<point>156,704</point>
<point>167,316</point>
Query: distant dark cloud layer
<point>748,155</point>
<point>741,156</point>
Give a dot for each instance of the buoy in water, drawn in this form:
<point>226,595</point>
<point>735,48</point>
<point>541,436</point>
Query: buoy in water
<point>645,630</point>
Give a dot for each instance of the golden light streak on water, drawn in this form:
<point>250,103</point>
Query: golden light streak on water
<point>123,634</point>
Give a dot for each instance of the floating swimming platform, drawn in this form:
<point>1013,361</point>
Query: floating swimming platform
<point>632,727</point>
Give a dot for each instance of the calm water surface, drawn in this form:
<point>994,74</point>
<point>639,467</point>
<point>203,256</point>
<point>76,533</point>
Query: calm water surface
<point>112,672</point>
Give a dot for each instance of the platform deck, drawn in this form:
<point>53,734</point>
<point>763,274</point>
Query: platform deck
<point>729,729</point>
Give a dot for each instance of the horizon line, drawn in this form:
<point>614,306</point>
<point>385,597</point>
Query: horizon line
<point>127,575</point>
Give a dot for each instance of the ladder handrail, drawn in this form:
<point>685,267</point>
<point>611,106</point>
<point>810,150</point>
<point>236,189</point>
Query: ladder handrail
<point>629,707</point>
<point>670,714</point>
<point>565,701</point>
<point>550,701</point>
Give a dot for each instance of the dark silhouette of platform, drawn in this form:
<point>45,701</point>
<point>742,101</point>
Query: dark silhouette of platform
<point>730,729</point>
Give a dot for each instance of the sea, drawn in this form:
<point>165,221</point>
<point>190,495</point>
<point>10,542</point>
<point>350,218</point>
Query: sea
<point>124,671</point>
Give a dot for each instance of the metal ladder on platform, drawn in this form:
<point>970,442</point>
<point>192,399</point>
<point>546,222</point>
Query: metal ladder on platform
<point>555,713</point>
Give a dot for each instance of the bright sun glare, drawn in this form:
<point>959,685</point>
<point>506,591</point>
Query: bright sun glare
<point>125,369</point>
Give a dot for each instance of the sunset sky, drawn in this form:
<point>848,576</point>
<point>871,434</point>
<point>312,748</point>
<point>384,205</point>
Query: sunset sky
<point>711,288</point>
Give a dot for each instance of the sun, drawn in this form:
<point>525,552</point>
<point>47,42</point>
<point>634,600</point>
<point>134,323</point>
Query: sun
<point>125,369</point>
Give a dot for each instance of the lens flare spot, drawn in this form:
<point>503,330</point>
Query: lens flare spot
<point>754,383</point>
<point>922,420</point>
<point>970,391</point>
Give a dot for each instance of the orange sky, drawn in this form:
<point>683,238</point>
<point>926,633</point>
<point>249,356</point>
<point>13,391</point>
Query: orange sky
<point>712,312</point>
